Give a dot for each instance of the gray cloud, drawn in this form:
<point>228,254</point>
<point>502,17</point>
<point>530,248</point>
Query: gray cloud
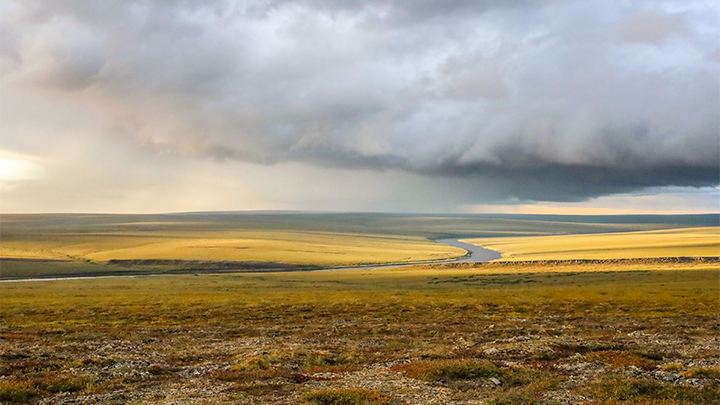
<point>537,98</point>
<point>652,27</point>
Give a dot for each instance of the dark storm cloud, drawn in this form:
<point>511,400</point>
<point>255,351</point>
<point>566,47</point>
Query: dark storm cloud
<point>546,100</point>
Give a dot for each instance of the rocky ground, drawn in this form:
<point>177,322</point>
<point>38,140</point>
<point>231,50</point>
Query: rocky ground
<point>547,360</point>
<point>401,338</point>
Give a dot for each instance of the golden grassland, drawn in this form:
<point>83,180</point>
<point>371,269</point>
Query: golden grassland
<point>316,248</point>
<point>303,238</point>
<point>84,243</point>
<point>641,331</point>
<point>499,333</point>
<point>659,283</point>
<point>692,242</point>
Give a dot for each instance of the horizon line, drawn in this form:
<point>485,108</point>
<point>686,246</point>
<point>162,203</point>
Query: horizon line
<point>281,212</point>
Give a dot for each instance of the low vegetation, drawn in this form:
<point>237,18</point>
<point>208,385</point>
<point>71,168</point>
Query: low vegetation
<point>603,332</point>
<point>320,249</point>
<point>692,242</point>
<point>42,245</point>
<point>349,396</point>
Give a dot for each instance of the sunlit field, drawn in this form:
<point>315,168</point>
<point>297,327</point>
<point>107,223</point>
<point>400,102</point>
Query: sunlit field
<point>78,243</point>
<point>612,330</point>
<point>625,332</point>
<point>321,248</point>
<point>692,242</point>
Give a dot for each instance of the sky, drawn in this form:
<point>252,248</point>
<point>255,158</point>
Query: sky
<point>454,106</point>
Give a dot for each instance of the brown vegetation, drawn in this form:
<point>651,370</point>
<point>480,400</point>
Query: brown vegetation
<point>495,334</point>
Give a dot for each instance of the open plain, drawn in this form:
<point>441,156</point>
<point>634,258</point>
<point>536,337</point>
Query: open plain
<point>597,331</point>
<point>690,242</point>
<point>74,244</point>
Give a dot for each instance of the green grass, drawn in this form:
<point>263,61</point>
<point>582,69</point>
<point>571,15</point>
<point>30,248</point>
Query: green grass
<point>521,284</point>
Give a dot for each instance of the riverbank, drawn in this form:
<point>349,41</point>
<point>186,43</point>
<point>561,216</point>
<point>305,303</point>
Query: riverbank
<point>141,268</point>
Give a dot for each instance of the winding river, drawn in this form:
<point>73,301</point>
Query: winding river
<point>475,254</point>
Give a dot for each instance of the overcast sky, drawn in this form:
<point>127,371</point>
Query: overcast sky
<point>388,105</point>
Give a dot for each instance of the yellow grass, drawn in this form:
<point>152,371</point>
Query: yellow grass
<point>662,243</point>
<point>316,248</point>
<point>288,338</point>
<point>537,284</point>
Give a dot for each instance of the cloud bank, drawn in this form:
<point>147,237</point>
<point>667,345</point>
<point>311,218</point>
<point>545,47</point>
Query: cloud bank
<point>539,100</point>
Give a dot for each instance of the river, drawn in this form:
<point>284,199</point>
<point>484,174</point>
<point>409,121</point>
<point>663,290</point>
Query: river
<point>476,254</point>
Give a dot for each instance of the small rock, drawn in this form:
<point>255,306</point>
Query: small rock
<point>491,351</point>
<point>495,381</point>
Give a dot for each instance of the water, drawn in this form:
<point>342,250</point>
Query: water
<point>477,253</point>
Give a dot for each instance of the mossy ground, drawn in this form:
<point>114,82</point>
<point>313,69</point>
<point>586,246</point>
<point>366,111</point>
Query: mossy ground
<point>497,334</point>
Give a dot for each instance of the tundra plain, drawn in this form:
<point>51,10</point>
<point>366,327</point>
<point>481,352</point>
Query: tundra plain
<point>51,244</point>
<point>600,331</point>
<point>704,241</point>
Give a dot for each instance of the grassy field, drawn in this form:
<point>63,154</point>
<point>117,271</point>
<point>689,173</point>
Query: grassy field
<point>607,331</point>
<point>316,248</point>
<point>82,241</point>
<point>690,242</point>
<point>619,332</point>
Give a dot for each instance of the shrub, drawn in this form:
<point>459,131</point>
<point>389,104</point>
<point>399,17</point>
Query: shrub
<point>449,370</point>
<point>236,375</point>
<point>702,372</point>
<point>624,389</point>
<point>260,389</point>
<point>636,389</point>
<point>57,384</point>
<point>348,396</point>
<point>18,391</point>
<point>672,367</point>
<point>616,358</point>
<point>158,370</point>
